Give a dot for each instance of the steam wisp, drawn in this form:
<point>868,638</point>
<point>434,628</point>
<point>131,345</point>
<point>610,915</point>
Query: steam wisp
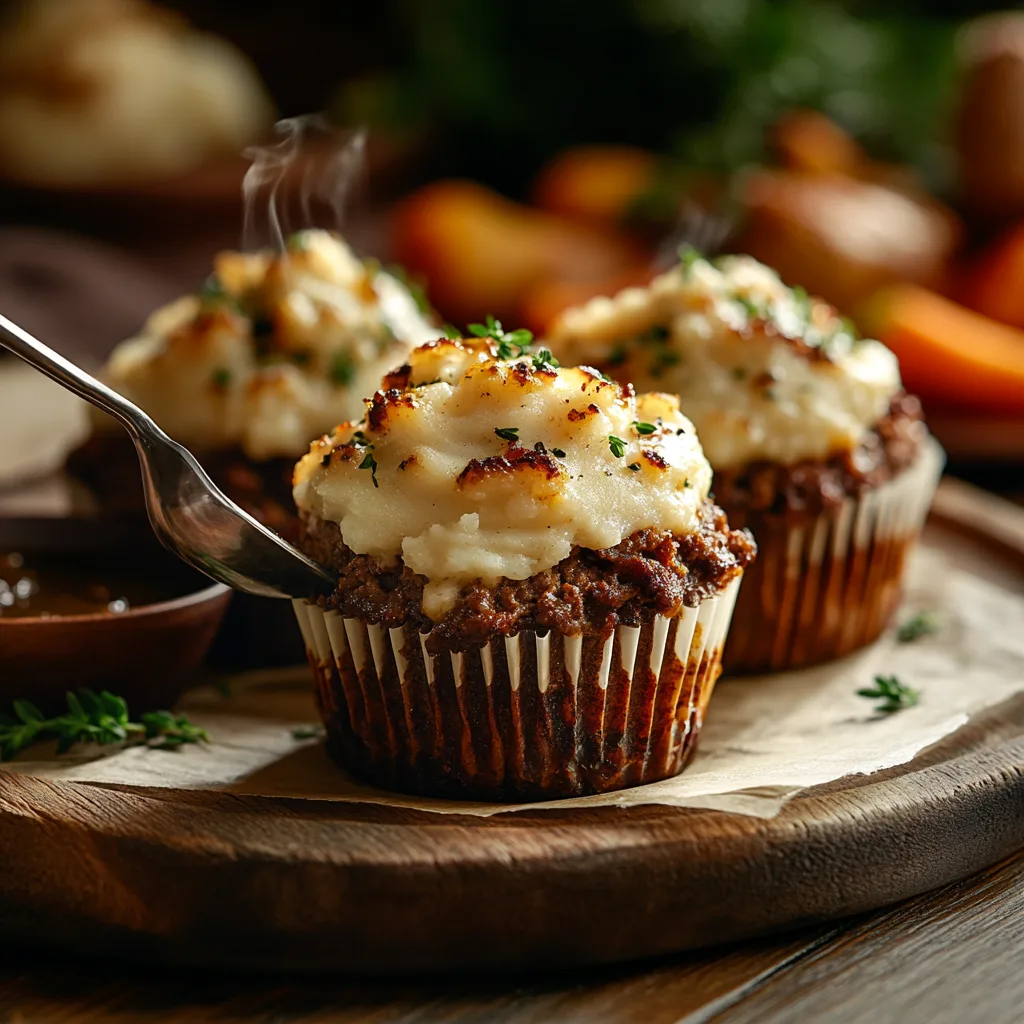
<point>302,180</point>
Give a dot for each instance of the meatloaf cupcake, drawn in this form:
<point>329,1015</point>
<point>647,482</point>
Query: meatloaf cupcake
<point>273,351</point>
<point>533,586</point>
<point>816,448</point>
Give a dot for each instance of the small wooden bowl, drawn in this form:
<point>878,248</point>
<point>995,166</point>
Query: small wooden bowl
<point>147,654</point>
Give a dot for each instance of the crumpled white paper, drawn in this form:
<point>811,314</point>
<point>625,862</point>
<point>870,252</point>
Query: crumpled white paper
<point>766,738</point>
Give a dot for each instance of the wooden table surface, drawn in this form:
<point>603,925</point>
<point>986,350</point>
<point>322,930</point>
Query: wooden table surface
<point>952,956</point>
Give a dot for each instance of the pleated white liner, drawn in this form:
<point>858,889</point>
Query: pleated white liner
<point>788,593</point>
<point>336,643</point>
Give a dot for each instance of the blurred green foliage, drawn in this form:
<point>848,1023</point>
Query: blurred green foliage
<point>506,83</point>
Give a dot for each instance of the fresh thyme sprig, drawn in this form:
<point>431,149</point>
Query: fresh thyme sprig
<point>544,360</point>
<point>894,695</point>
<point>93,718</point>
<point>511,344</point>
<point>920,625</point>
<point>507,433</point>
<point>617,446</point>
<point>644,428</point>
<point>451,332</point>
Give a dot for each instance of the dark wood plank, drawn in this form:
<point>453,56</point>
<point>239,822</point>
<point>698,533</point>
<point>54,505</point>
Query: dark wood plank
<point>948,957</point>
<point>951,956</point>
<point>656,993</point>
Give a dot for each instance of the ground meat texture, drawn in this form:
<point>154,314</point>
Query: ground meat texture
<point>769,490</point>
<point>108,465</point>
<point>590,592</point>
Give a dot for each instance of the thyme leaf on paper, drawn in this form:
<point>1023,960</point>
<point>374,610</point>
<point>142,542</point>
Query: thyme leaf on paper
<point>100,718</point>
<point>918,626</point>
<point>892,695</point>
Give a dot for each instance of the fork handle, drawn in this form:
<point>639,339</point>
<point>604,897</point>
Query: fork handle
<point>75,379</point>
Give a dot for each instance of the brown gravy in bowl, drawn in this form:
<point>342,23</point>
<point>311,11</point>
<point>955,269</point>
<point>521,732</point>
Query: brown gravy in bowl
<point>44,585</point>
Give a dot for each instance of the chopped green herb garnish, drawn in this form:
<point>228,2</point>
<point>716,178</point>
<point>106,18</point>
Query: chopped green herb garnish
<point>665,358</point>
<point>559,453</point>
<point>644,428</point>
<point>370,463</point>
<point>617,356</point>
<point>635,466</point>
<point>490,329</point>
<point>920,625</point>
<point>307,732</point>
<point>754,310</point>
<point>511,344</point>
<point>298,241</point>
<point>688,256</point>
<point>656,335</point>
<point>220,378</point>
<point>544,360</point>
<point>451,332</point>
<point>360,440</point>
<point>598,374</point>
<point>802,301</point>
<point>212,289</point>
<point>342,370</point>
<point>894,695</point>
<point>617,446</point>
<point>93,718</point>
<point>739,373</point>
<point>507,433</point>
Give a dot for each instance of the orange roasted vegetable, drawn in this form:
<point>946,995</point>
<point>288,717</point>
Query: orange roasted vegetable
<point>481,253</point>
<point>595,183</point>
<point>995,284</point>
<point>949,354</point>
<point>808,141</point>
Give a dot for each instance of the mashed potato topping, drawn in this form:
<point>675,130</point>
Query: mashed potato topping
<point>764,371</point>
<point>480,461</point>
<point>274,351</point>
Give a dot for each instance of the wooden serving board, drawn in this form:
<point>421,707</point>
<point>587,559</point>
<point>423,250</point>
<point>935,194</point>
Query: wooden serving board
<point>222,879</point>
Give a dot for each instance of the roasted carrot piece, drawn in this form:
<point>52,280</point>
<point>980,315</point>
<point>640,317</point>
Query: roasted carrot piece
<point>949,353</point>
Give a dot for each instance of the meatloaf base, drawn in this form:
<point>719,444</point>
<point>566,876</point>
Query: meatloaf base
<point>588,593</point>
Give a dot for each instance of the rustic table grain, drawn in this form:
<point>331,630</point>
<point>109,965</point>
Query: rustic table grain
<point>952,956</point>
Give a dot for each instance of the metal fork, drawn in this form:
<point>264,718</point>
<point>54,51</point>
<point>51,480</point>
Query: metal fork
<point>189,513</point>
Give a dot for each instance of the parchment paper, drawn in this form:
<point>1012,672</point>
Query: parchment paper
<point>765,739</point>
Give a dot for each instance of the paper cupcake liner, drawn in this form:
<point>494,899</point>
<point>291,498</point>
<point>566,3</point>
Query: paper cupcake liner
<point>824,588</point>
<point>525,717</point>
